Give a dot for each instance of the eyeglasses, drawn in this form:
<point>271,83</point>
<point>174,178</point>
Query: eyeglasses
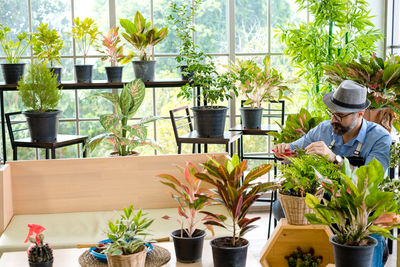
<point>338,117</point>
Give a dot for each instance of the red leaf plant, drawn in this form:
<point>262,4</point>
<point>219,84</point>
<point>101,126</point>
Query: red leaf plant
<point>191,199</point>
<point>234,191</point>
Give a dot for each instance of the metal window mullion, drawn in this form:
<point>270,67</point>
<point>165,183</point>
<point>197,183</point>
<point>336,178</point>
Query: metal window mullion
<point>231,56</point>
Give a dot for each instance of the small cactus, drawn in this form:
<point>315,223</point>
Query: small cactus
<point>38,251</point>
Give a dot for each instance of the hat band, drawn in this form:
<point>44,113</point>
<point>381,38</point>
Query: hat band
<point>346,105</point>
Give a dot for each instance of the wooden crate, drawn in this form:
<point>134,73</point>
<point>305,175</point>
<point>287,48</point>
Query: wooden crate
<point>286,238</point>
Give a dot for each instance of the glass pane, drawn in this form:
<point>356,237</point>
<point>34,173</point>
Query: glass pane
<point>67,104</point>
<point>91,106</point>
<point>91,129</point>
<point>170,44</point>
<point>166,69</point>
<point>58,15</point>
<point>282,12</point>
<point>67,71</point>
<point>167,99</point>
<point>211,26</point>
<point>14,15</point>
<point>251,25</point>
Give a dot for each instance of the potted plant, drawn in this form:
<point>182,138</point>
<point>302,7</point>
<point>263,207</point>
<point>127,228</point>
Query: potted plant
<point>237,193</point>
<point>357,209</point>
<point>188,241</point>
<point>298,179</point>
<point>300,258</point>
<point>296,125</point>
<point>127,247</point>
<point>40,254</point>
<point>85,33</point>
<point>13,70</point>
<point>381,78</point>
<point>40,94</point>
<point>143,36</point>
<point>182,17</point>
<point>46,46</point>
<point>114,52</point>
<point>118,132</point>
<point>257,85</point>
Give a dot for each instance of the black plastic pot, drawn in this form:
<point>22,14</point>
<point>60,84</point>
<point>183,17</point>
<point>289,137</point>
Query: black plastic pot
<point>188,249</point>
<point>57,73</point>
<point>12,72</point>
<point>41,264</point>
<point>251,117</point>
<point>185,76</point>
<point>114,74</point>
<point>351,256</point>
<point>144,69</point>
<point>225,256</point>
<point>83,73</point>
<point>42,126</point>
<point>209,121</point>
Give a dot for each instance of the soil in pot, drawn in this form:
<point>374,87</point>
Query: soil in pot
<point>188,249</point>
<point>351,256</point>
<point>224,255</point>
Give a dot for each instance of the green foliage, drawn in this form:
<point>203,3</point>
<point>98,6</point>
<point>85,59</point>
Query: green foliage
<point>85,33</point>
<point>392,185</point>
<point>13,50</point>
<point>296,125</point>
<point>124,137</point>
<point>381,78</point>
<point>357,206</point>
<point>299,178</point>
<point>112,50</point>
<point>47,44</point>
<point>39,251</point>
<point>234,192</point>
<point>300,258</point>
<point>39,89</point>
<point>190,198</point>
<point>340,31</point>
<point>258,84</point>
<point>395,155</point>
<point>142,35</point>
<point>127,233</point>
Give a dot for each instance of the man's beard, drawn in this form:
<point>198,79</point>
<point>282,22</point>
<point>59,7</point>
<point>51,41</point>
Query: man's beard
<point>340,130</point>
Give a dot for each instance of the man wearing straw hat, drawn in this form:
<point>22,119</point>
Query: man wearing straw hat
<point>346,134</point>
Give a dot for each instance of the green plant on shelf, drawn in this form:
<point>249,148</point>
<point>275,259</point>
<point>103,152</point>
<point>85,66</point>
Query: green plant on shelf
<point>85,33</point>
<point>47,44</point>
<point>13,51</point>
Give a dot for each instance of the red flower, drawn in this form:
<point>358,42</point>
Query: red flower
<point>34,229</point>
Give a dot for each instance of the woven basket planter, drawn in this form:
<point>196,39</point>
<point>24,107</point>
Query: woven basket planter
<point>132,260</point>
<point>295,207</point>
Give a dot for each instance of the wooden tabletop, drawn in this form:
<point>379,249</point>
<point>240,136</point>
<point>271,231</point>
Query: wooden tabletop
<point>69,257</point>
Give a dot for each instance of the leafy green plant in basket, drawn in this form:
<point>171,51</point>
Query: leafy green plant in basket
<point>299,178</point>
<point>13,50</point>
<point>358,208</point>
<point>258,84</point>
<point>123,136</point>
<point>296,125</point>
<point>142,35</point>
<point>47,44</point>
<point>235,192</point>
<point>127,237</point>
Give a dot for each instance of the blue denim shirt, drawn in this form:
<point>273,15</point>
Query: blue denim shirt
<point>375,140</point>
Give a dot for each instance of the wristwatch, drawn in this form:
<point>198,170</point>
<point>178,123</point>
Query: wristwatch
<point>338,160</point>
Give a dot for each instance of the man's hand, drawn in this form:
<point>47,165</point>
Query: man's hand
<point>320,148</point>
<point>280,149</point>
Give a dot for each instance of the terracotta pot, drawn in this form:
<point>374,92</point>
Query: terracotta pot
<point>382,116</point>
<point>132,260</point>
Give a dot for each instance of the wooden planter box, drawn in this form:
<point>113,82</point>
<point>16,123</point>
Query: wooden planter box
<point>286,238</point>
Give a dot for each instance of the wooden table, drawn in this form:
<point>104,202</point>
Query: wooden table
<point>69,257</point>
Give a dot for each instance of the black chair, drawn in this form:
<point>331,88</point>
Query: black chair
<point>185,133</point>
<point>17,127</point>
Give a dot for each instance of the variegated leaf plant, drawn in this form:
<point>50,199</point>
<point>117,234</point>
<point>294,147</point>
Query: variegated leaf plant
<point>124,136</point>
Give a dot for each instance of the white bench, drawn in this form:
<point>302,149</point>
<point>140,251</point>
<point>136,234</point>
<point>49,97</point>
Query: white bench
<point>75,198</point>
